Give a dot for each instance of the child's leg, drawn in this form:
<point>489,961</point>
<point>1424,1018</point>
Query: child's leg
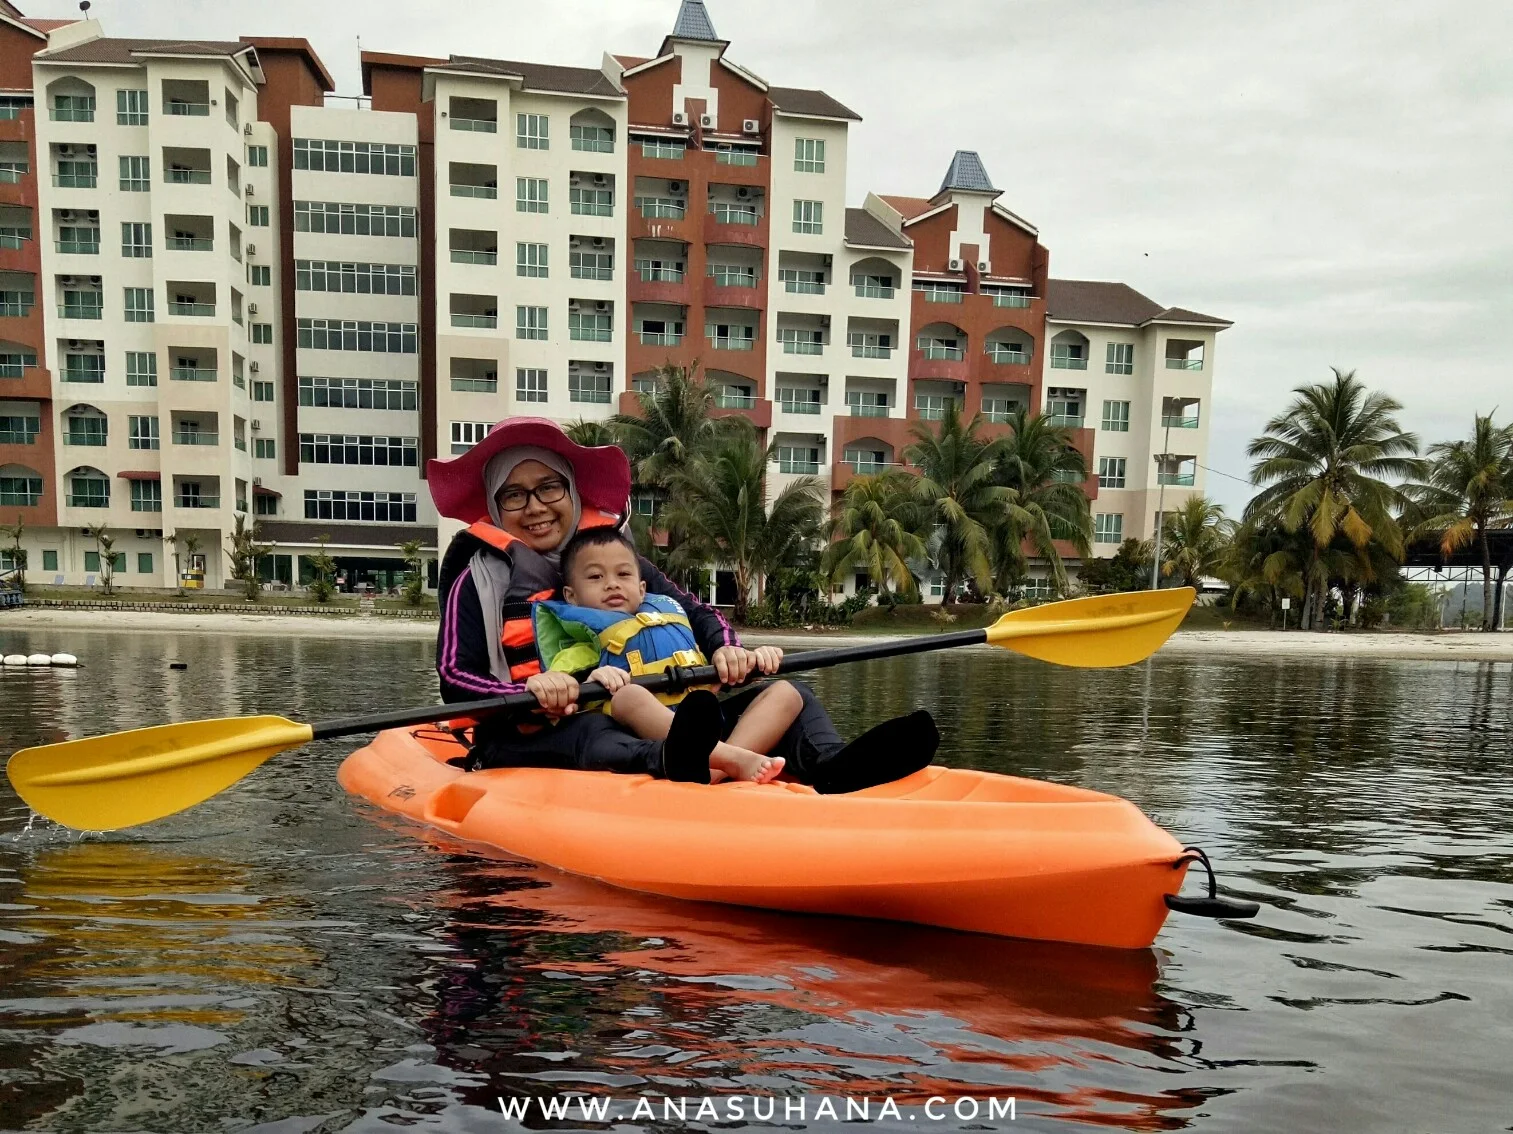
<point>772,711</point>
<point>639,710</point>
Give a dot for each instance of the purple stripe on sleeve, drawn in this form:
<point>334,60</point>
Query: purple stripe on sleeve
<point>446,664</point>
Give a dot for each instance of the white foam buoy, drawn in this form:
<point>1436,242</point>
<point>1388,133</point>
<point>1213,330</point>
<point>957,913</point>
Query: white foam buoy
<point>40,659</point>
<point>15,659</point>
<point>65,660</point>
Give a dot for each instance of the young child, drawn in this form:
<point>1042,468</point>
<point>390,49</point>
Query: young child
<point>609,627</point>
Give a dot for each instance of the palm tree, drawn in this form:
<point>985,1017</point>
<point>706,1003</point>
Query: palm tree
<point>1467,493</point>
<point>1044,471</point>
<point>1263,557</point>
<point>719,503</point>
<point>1322,462</point>
<point>959,498</point>
<point>591,433</point>
<point>1196,538</point>
<point>874,529</point>
<point>674,427</point>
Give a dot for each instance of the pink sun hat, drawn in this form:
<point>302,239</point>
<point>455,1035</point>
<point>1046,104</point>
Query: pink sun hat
<point>601,472</point>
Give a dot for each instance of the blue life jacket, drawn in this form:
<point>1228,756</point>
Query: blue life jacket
<point>573,638</point>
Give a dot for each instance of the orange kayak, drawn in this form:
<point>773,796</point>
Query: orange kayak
<point>946,847</point>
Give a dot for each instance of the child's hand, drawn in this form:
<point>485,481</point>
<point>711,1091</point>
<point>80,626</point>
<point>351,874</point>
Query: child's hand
<point>610,677</point>
<point>557,693</point>
<point>768,658</point>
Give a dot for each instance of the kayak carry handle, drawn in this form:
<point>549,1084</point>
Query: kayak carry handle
<point>1213,904</point>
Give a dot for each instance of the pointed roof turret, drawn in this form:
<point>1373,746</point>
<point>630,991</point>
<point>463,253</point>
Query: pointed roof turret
<point>693,22</point>
<point>967,174</point>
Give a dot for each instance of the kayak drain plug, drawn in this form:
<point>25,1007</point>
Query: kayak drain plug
<point>1214,904</point>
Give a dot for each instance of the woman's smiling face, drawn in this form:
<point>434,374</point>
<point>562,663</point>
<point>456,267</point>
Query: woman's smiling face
<point>542,526</point>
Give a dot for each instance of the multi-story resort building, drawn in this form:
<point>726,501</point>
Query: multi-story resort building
<point>226,291</point>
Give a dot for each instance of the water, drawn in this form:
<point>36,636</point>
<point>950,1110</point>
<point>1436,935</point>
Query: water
<point>286,959</point>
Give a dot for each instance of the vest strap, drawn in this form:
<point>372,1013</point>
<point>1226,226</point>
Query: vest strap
<point>617,636</point>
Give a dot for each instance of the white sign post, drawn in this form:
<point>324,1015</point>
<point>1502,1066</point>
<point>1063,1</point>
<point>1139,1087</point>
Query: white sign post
<point>1286,603</point>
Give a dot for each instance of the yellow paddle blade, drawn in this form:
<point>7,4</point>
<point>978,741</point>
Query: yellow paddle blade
<point>102,783</point>
<point>1097,632</point>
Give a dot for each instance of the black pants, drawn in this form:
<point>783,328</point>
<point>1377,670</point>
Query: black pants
<point>593,742</point>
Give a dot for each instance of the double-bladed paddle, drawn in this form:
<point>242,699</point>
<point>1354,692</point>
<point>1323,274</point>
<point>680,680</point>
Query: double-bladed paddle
<point>102,783</point>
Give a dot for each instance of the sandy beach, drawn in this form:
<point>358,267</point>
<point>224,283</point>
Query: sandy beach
<point>1445,646</point>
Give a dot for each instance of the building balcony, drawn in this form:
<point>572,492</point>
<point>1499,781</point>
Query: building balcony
<point>194,310</point>
<point>485,322</point>
<point>80,311</point>
<point>469,256</point>
<point>75,180</point>
<point>660,338</point>
<point>1063,362</point>
<point>940,294</point>
<point>939,363</point>
<point>1176,422</point>
<point>484,192</point>
<point>1184,364</point>
<point>738,227</point>
<point>758,411</point>
<point>189,244</point>
<point>186,176</point>
<point>874,291</point>
<point>474,125</point>
<point>1066,420</point>
<point>191,374</point>
<point>195,437</point>
<point>733,342</point>
<point>77,247</point>
<point>184,500</point>
<point>801,346</point>
<point>717,294</point>
<point>1179,479</point>
<point>660,286</point>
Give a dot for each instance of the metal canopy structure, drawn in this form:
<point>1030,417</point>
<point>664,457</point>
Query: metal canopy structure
<point>1465,565</point>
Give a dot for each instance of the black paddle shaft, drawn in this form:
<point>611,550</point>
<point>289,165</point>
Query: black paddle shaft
<point>674,680</point>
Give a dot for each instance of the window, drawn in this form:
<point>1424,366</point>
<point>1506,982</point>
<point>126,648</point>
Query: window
<point>530,260</point>
<point>594,139</point>
<point>49,561</point>
<point>591,326</point>
<point>73,108</point>
<point>932,407</point>
<point>798,459</point>
<point>466,434</point>
<point>382,507</point>
<point>262,391</point>
<point>83,368</point>
<point>730,336</point>
<point>530,322</point>
<point>1111,472</point>
<point>809,216</point>
<point>867,344</point>
<point>798,340</point>
<point>144,563</point>
<point>591,202</point>
<point>257,216</point>
<point>136,240</point>
<point>358,335</point>
<point>1116,417</point>
<point>670,149</point>
<point>530,195</point>
<point>261,332</point>
<point>136,174</point>
<point>530,385</point>
<point>868,403</point>
<point>591,265</point>
<point>139,305</point>
<point>809,155</point>
<point>1068,356</point>
<point>359,393</point>
<point>530,132</point>
<point>355,449</point>
<point>643,503</point>
<point>588,386</point>
<point>1120,359</point>
<point>733,275</point>
<point>147,496</point>
<point>260,275</point>
<point>802,281</point>
<point>131,108</point>
<point>354,220</point>
<point>264,448</point>
<point>354,279</point>
<point>264,504</point>
<point>1108,527</point>
<point>19,429</point>
<point>257,155</point>
<point>21,491</point>
<point>76,174</point>
<point>795,400</point>
<point>354,157</point>
<point>88,492</point>
<point>141,368</point>
<point>143,432</point>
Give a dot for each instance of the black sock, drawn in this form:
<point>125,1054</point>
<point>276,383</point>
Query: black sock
<point>696,728</point>
<point>884,753</point>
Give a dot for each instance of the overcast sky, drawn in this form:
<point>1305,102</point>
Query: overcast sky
<point>1336,176</point>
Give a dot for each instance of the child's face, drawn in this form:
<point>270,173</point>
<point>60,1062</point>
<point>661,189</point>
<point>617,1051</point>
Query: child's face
<point>543,526</point>
<point>605,577</point>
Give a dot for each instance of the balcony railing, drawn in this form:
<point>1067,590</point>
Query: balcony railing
<point>487,322</point>
<point>735,157</point>
<point>660,338</point>
<point>723,342</point>
<point>733,277</point>
<point>582,208</point>
<point>92,500</point>
<point>72,113</point>
<point>476,125</point>
<point>203,310</point>
<point>868,468</point>
<point>590,272</point>
<point>468,256</point>
<point>1009,299</point>
<point>998,417</point>
<point>78,247</point>
<point>187,176</point>
<point>12,237</point>
<point>590,334</point>
<point>649,274</point>
<point>190,244</point>
<point>1066,420</point>
<point>182,501</point>
<point>804,287</point>
<point>868,350</point>
<point>80,311</point>
<point>1176,421</point>
<point>195,437</point>
<point>79,437</point>
<point>19,436</point>
<point>734,214</point>
<point>84,373</point>
<point>802,346</point>
<point>142,504</point>
<point>10,175</point>
<point>800,468</point>
<point>590,397</point>
<point>1184,364</point>
<point>860,409</point>
<point>187,109</point>
<point>940,294</point>
<point>489,192</point>
<point>661,208</point>
<point>874,291</point>
<point>1066,362</point>
<point>795,405</point>
<point>74,180</point>
<point>938,353</point>
<point>19,308</point>
<point>1181,479</point>
<point>735,401</point>
<point>1007,356</point>
<point>669,151</point>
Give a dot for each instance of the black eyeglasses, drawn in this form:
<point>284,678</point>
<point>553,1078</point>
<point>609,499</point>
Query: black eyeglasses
<point>515,498</point>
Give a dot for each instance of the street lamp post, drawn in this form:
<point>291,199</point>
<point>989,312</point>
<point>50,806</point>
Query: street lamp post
<point>1160,509</point>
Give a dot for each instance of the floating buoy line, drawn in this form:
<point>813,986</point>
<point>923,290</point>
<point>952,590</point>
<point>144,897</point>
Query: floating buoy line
<point>59,661</point>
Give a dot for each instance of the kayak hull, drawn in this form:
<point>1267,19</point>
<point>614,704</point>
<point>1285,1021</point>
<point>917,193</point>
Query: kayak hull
<point>954,848</point>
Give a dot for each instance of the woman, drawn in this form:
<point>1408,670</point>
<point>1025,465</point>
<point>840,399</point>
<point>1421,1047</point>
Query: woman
<point>524,490</point>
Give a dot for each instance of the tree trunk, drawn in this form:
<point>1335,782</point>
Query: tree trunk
<point>1486,580</point>
<point>742,590</point>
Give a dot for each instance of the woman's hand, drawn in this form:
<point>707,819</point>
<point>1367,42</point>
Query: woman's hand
<point>732,663</point>
<point>610,677</point>
<point>768,658</point>
<point>557,693</point>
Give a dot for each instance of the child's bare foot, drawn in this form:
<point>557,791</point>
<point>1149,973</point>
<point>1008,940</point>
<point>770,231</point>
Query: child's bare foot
<point>742,764</point>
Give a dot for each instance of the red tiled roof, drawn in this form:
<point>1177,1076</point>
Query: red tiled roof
<point>127,50</point>
<point>908,206</point>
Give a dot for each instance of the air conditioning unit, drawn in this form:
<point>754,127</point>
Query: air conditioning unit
<point>95,280</point>
<point>89,149</point>
<point>983,266</point>
<point>252,249</point>
<point>256,423</point>
<point>600,180</point>
<point>249,191</point>
<point>252,309</point>
<point>743,192</point>
<point>65,214</point>
<point>77,344</point>
<point>955,265</point>
<point>144,533</point>
<point>252,366</point>
<point>247,130</point>
<point>824,320</point>
<point>679,118</point>
<point>706,121</point>
<point>257,482</point>
<point>600,242</point>
<point>750,126</point>
<point>602,305</point>
<point>601,367</point>
<point>675,187</point>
